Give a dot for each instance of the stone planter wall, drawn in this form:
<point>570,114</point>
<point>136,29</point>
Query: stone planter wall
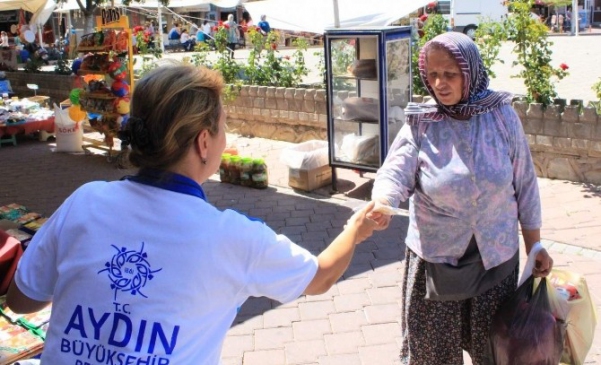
<point>285,114</point>
<point>565,141</point>
<point>56,86</point>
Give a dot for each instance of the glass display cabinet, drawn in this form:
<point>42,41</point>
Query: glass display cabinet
<point>368,75</point>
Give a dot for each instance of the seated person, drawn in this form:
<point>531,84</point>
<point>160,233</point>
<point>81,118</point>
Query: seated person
<point>200,36</point>
<point>174,34</point>
<point>32,47</point>
<point>187,41</point>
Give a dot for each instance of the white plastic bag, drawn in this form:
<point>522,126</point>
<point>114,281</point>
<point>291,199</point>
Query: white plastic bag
<point>69,134</point>
<point>582,316</point>
<point>308,155</point>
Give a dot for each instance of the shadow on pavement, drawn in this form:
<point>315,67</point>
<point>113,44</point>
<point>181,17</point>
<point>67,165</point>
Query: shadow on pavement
<point>41,180</point>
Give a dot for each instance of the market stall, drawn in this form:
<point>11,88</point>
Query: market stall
<point>24,116</point>
<point>107,75</point>
<point>21,336</point>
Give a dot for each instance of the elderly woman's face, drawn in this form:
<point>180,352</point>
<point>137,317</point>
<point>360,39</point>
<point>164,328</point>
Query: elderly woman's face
<point>445,77</point>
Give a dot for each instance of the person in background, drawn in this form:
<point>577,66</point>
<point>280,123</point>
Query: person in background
<point>186,41</point>
<point>4,40</point>
<point>150,27</point>
<point>264,25</point>
<point>174,33</point>
<point>47,35</point>
<point>193,30</point>
<point>206,28</point>
<point>467,171</point>
<point>200,36</point>
<point>113,285</point>
<point>567,23</point>
<point>233,34</point>
<point>149,31</point>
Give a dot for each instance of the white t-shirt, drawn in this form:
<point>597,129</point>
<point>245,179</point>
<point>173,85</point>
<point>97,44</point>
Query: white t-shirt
<point>146,275</point>
<point>184,37</point>
<point>206,28</point>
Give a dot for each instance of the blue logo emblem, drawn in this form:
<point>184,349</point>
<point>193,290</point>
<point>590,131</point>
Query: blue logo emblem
<point>129,271</point>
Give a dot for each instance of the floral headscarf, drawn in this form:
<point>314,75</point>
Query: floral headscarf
<point>476,98</point>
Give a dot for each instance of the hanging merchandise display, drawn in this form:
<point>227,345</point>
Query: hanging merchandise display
<point>106,73</point>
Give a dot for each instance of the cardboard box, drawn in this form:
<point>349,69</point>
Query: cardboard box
<point>308,167</point>
<point>309,180</point>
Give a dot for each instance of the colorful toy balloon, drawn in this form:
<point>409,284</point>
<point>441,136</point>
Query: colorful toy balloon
<point>122,106</point>
<point>120,76</point>
<point>76,113</point>
<point>74,96</point>
<point>76,65</point>
<point>120,88</point>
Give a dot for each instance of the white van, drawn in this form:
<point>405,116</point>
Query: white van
<point>464,15</point>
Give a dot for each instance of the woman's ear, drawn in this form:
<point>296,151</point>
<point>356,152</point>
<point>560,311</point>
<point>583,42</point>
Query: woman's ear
<point>202,143</point>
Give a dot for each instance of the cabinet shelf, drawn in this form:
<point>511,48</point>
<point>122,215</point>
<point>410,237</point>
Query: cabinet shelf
<point>351,77</point>
<point>368,70</point>
<point>102,96</point>
<point>362,121</point>
<point>91,72</point>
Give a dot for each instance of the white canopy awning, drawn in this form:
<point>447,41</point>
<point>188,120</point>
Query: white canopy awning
<point>42,15</point>
<point>197,5</point>
<point>318,15</point>
<point>29,5</point>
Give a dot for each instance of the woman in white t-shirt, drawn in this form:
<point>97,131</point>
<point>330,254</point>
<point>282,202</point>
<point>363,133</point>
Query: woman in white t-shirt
<point>186,41</point>
<point>145,270</point>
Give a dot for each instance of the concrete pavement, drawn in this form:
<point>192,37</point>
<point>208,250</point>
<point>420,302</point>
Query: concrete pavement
<point>357,321</point>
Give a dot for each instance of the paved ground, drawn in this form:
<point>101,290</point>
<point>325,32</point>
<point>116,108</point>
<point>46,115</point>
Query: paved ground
<point>357,321</point>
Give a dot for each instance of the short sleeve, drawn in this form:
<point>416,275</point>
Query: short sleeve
<point>282,270</point>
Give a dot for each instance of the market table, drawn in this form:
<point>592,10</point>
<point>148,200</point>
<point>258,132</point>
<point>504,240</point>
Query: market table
<point>27,127</point>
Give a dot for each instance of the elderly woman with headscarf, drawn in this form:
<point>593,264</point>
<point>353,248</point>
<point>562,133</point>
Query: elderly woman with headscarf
<point>465,166</point>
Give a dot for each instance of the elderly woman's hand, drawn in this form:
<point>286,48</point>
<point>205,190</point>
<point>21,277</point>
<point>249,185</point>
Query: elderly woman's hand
<point>362,223</point>
<point>379,215</point>
<point>543,264</point>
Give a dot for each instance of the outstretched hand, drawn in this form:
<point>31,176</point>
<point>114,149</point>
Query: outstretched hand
<point>361,222</point>
<point>379,215</point>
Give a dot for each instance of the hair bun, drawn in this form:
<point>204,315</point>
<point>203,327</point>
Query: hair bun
<point>139,136</point>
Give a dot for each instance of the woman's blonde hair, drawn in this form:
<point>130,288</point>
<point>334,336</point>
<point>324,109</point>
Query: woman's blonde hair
<point>170,106</point>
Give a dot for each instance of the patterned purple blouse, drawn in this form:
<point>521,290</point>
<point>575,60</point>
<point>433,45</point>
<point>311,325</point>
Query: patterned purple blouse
<point>463,178</point>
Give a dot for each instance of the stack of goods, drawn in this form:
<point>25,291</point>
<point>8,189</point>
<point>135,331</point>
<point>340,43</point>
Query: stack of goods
<point>106,40</point>
<point>24,222</point>
<point>21,336</point>
<point>106,100</point>
<point>245,171</point>
<point>363,69</point>
<point>14,111</point>
<point>360,149</point>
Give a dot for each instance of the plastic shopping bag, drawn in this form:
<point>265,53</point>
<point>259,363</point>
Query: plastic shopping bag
<point>581,319</point>
<point>525,330</point>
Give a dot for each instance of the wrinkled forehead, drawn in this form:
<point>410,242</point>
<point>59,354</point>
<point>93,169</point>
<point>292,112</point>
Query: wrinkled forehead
<point>452,51</point>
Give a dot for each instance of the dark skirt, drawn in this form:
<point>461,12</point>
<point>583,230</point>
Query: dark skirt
<point>436,332</point>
